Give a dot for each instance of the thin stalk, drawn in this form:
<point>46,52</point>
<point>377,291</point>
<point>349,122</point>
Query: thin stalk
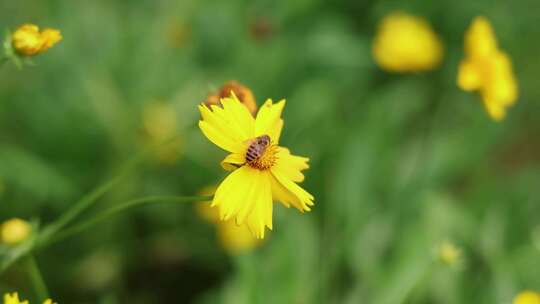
<point>37,279</point>
<point>86,201</point>
<point>119,209</point>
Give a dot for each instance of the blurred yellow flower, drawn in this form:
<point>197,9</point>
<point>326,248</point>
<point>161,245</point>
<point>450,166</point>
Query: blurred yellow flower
<point>487,69</point>
<point>14,299</point>
<point>449,253</point>
<point>243,93</point>
<point>160,125</point>
<point>235,239</point>
<point>28,40</point>
<point>14,231</point>
<point>527,297</point>
<point>262,170</point>
<point>405,43</point>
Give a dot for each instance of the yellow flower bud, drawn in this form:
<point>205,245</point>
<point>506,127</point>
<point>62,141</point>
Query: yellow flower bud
<point>527,297</point>
<point>27,40</point>
<point>243,93</point>
<point>405,43</point>
<point>449,254</point>
<point>14,231</point>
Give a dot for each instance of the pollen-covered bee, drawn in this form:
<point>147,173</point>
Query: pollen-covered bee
<point>257,147</point>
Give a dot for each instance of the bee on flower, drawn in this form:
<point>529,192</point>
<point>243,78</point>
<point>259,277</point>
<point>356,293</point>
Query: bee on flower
<point>28,40</point>
<point>262,171</point>
<point>13,298</point>
<point>487,70</point>
<point>405,43</point>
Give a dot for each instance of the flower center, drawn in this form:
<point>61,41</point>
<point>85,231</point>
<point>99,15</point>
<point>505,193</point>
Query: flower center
<point>261,153</point>
<point>266,160</point>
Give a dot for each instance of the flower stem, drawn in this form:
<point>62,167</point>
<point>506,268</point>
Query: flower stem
<point>86,201</point>
<point>119,209</point>
<point>37,279</point>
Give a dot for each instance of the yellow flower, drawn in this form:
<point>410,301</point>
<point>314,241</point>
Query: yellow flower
<point>28,40</point>
<point>406,43</point>
<point>14,231</point>
<point>527,297</point>
<point>13,299</point>
<point>449,254</point>
<point>243,93</point>
<point>487,69</point>
<point>235,239</point>
<point>263,171</point>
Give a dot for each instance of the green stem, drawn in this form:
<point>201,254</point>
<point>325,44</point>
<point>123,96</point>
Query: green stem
<point>85,202</point>
<point>119,209</point>
<point>37,279</point>
<point>80,206</point>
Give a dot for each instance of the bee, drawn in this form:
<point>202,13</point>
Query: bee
<point>257,147</point>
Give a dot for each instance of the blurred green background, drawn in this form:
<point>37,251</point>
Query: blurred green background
<point>399,163</point>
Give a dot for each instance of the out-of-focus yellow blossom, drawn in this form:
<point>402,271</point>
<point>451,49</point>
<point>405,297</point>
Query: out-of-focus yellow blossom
<point>405,43</point>
<point>243,93</point>
<point>160,125</point>
<point>527,297</point>
<point>487,69</point>
<point>28,40</point>
<point>14,299</point>
<point>235,239</point>
<point>262,171</point>
<point>449,253</point>
<point>14,231</point>
<point>178,34</point>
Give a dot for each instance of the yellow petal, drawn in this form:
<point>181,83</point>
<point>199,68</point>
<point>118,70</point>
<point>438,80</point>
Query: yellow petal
<point>290,166</point>
<point>269,120</point>
<point>233,161</point>
<point>502,85</point>
<point>494,109</point>
<point>13,299</point>
<point>50,38</point>
<point>469,76</point>
<point>216,131</point>
<point>245,195</point>
<point>228,127</point>
<point>480,41</point>
<point>286,197</point>
<point>261,214</point>
<point>288,192</point>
